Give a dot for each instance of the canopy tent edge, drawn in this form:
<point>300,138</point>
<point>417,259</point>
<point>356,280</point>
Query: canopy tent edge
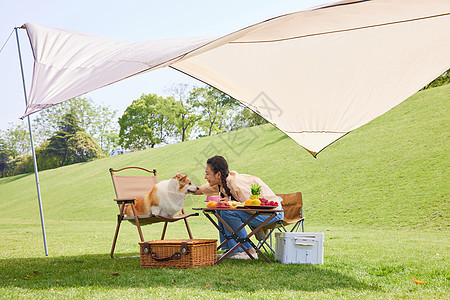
<point>202,59</point>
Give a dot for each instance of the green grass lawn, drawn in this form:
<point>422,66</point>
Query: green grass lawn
<point>380,194</point>
<point>357,263</point>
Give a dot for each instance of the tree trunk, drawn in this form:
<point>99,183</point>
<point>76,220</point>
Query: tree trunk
<point>64,159</point>
<point>183,128</point>
<point>210,127</point>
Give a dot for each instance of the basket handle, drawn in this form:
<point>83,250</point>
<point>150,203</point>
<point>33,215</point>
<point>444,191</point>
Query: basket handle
<point>177,255</point>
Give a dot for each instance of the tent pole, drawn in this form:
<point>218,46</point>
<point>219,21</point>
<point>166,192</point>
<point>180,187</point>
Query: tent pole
<point>32,148</point>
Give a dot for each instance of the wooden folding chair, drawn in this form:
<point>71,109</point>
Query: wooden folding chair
<point>293,214</point>
<point>130,188</point>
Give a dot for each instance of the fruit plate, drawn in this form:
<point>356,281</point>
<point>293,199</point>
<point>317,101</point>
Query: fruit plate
<point>260,207</point>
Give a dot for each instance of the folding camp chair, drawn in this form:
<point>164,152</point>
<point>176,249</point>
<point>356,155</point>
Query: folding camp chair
<point>130,188</point>
<point>293,214</point>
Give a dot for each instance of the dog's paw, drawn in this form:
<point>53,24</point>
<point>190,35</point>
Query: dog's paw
<point>156,210</point>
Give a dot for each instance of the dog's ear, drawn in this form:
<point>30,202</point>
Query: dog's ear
<point>177,176</point>
<point>183,178</point>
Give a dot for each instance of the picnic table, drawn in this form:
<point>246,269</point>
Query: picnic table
<point>256,212</point>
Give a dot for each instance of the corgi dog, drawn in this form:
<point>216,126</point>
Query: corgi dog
<point>166,198</point>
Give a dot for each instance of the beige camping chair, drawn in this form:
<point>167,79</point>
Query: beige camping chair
<point>293,214</point>
<point>130,188</point>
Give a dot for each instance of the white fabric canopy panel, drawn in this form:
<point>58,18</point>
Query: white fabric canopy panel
<point>316,74</point>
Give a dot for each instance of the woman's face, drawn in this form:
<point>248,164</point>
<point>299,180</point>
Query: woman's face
<point>211,177</point>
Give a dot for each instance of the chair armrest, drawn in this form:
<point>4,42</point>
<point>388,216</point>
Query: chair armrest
<point>125,200</point>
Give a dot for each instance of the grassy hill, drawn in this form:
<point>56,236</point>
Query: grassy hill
<point>390,173</point>
<point>367,192</point>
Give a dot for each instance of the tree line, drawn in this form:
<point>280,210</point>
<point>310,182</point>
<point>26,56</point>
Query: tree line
<point>74,131</point>
<point>188,114</point>
<point>79,130</point>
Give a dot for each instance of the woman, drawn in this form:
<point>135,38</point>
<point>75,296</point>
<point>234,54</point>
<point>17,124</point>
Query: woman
<point>233,186</point>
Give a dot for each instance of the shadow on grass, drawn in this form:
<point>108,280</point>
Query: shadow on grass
<point>230,275</point>
<point>6,180</point>
<point>273,142</point>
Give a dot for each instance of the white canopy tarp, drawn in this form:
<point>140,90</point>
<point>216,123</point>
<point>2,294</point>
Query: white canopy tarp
<point>315,74</point>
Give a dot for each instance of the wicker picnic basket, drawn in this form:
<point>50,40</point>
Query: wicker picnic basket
<point>178,253</point>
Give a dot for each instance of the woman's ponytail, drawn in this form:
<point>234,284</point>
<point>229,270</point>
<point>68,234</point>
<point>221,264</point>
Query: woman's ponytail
<point>225,186</point>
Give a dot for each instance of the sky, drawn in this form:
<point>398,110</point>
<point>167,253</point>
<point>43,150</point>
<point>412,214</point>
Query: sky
<point>132,21</point>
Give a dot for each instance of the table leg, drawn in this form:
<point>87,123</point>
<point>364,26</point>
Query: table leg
<point>233,236</point>
<point>247,238</point>
<point>236,238</point>
<point>225,223</point>
<point>248,221</point>
<point>256,230</point>
<point>219,229</point>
